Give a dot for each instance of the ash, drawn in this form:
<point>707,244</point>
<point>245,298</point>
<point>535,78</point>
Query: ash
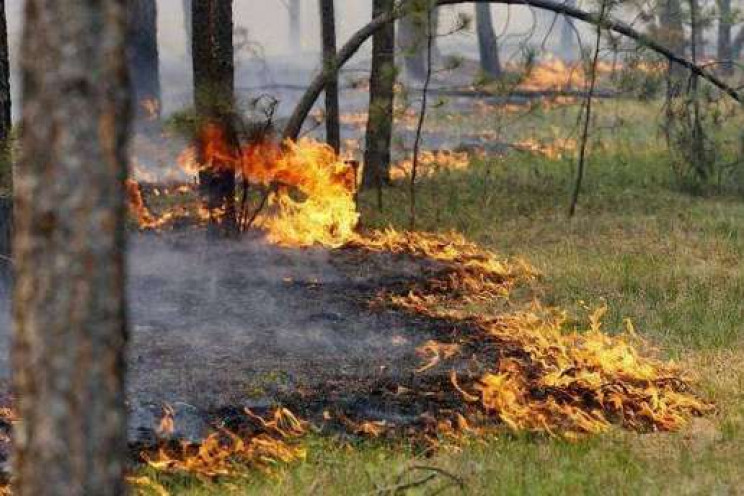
<point>239,323</point>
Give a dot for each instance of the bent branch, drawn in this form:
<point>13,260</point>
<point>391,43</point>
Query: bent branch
<point>305,105</point>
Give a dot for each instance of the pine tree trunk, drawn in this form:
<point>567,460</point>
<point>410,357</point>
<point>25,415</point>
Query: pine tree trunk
<point>5,102</point>
<point>328,34</point>
<point>6,176</point>
<point>295,26</point>
<point>381,99</point>
<point>673,36</point>
<point>487,43</point>
<point>724,37</point>
<point>144,66</point>
<point>69,297</point>
<point>214,80</point>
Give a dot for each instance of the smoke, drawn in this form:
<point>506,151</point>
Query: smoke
<point>214,324</point>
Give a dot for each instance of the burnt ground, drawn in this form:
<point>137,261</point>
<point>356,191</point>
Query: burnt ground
<point>217,327</point>
<point>220,326</point>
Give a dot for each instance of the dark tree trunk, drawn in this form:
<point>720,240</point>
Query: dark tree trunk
<point>697,39</point>
<point>328,34</point>
<point>724,37</point>
<point>69,293</point>
<point>6,173</point>
<point>295,26</point>
<point>214,81</point>
<point>381,99</point>
<point>737,45</point>
<point>673,36</point>
<point>144,66</point>
<point>6,232</point>
<point>487,44</point>
<point>412,38</point>
<point>5,103</point>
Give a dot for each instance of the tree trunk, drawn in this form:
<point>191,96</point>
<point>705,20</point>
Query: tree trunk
<point>737,45</point>
<point>697,39</point>
<point>673,36</point>
<point>5,103</point>
<point>144,66</point>
<point>69,306</point>
<point>724,37</point>
<point>412,38</point>
<point>214,81</point>
<point>328,34</point>
<point>295,26</point>
<point>487,43</point>
<point>187,22</point>
<point>381,99</point>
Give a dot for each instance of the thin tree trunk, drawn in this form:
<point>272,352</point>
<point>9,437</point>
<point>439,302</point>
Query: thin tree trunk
<point>673,37</point>
<point>143,57</point>
<point>5,102</point>
<point>737,45</point>
<point>69,292</point>
<point>6,172</point>
<point>328,34</point>
<point>413,37</point>
<point>187,22</point>
<point>381,99</point>
<point>724,36</point>
<point>487,42</point>
<point>295,26</point>
<point>697,41</point>
<point>214,81</point>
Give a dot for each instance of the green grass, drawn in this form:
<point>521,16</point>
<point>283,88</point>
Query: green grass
<point>669,261</point>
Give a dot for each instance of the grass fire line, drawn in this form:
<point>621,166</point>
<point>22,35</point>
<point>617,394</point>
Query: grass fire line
<point>529,369</point>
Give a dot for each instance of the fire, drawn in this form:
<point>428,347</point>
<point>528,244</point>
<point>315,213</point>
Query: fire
<point>541,376</point>
<point>220,453</point>
<point>430,163</point>
<point>555,74</point>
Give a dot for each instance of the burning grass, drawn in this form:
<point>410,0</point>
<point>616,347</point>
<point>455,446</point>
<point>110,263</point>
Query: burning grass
<point>508,363</point>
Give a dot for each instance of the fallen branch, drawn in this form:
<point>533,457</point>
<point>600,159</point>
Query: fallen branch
<point>313,91</point>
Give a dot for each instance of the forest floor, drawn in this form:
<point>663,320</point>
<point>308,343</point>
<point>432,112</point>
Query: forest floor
<point>666,259</point>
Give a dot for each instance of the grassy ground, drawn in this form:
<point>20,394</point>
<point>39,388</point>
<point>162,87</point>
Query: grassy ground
<point>669,261</point>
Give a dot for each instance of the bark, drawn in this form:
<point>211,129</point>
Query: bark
<point>69,292</point>
<point>697,40</point>
<point>295,25</point>
<point>6,230</point>
<point>5,102</point>
<point>737,45</point>
<point>724,37</point>
<point>412,37</point>
<point>214,81</point>
<point>487,44</point>
<point>328,35</point>
<point>381,100</point>
<point>144,66</point>
<point>315,88</point>
<point>672,34</point>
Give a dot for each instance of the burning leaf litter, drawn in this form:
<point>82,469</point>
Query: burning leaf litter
<point>508,364</point>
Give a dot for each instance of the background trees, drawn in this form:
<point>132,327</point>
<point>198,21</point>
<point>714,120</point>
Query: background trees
<point>68,353</point>
<point>143,59</point>
<point>381,98</point>
<point>212,54</point>
<point>487,45</point>
<point>328,36</point>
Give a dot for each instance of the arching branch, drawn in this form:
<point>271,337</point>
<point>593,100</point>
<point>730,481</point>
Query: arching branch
<point>305,105</point>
